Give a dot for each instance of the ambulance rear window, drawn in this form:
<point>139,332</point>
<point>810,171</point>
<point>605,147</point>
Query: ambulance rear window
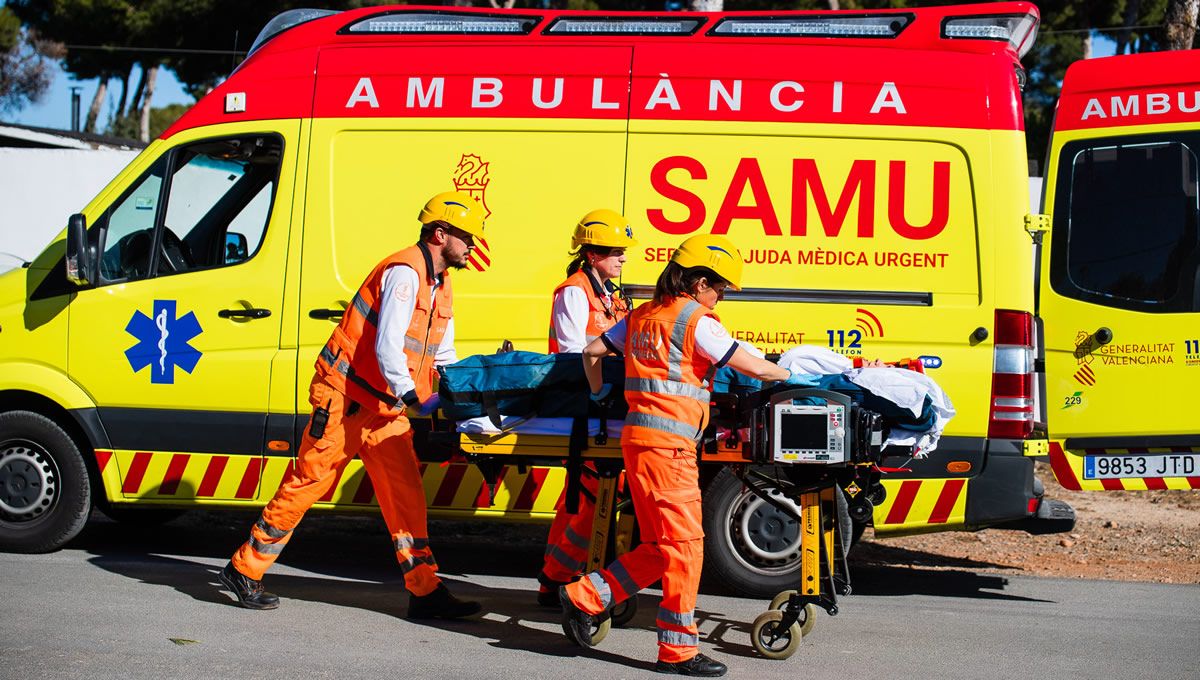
<point>1126,216</point>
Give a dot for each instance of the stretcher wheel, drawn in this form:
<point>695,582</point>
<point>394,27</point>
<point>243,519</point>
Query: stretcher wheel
<point>782,599</point>
<point>808,615</point>
<point>772,642</point>
<point>624,612</point>
<point>601,631</point>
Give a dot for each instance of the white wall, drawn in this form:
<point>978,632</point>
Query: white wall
<point>40,188</point>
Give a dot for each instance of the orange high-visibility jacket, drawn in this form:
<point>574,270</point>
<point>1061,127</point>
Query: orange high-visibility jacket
<point>348,360</point>
<point>599,319</point>
<point>667,382</point>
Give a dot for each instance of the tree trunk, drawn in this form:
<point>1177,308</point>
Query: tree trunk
<point>1131,13</point>
<point>124,94</point>
<point>834,4</point>
<point>706,5</point>
<point>136,102</point>
<point>1087,46</point>
<point>151,75</point>
<point>94,109</point>
<point>1180,22</point>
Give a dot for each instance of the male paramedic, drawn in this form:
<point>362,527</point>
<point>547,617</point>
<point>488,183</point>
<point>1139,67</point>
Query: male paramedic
<point>379,360</point>
<point>671,345</point>
<point>585,305</point>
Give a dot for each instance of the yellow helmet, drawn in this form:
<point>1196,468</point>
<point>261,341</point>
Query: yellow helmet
<point>456,209</point>
<point>714,252</point>
<point>605,228</point>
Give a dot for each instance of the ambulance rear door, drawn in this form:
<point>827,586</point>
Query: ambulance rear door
<point>1119,290</point>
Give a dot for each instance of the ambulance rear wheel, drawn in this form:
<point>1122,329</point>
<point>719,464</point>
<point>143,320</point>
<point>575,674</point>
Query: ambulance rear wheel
<point>770,640</point>
<point>45,498</point>
<point>751,547</point>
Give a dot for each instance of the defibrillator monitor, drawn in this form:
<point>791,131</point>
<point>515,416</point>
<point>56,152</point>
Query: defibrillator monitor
<point>809,433</point>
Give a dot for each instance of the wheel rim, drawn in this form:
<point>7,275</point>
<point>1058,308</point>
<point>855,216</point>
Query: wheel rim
<point>772,638</point>
<point>29,481</point>
<point>765,539</point>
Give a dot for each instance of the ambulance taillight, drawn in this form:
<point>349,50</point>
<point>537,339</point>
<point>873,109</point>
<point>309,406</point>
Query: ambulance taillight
<point>1012,405</point>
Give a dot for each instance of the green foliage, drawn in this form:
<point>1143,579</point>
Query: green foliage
<point>161,118</point>
<point>10,29</point>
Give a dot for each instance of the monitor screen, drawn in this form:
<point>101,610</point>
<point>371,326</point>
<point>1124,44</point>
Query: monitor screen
<point>804,431</point>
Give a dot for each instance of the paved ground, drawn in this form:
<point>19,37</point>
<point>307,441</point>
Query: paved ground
<point>143,604</point>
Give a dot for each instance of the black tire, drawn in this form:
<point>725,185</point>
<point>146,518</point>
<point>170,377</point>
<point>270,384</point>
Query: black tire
<point>45,497</point>
<point>764,561</point>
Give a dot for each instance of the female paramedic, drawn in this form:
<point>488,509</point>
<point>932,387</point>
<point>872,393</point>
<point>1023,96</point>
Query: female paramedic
<point>671,344</point>
<point>584,306</point>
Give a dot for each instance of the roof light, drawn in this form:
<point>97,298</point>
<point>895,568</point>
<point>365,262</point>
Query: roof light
<point>402,23</point>
<point>285,20</point>
<point>819,26</point>
<point>1019,30</point>
<point>624,26</point>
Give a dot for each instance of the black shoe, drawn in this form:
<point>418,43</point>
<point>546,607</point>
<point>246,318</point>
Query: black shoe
<point>548,591</point>
<point>577,624</point>
<point>250,593</point>
<point>440,604</point>
<point>699,666</point>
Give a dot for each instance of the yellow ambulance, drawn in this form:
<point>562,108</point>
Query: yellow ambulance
<point>869,165</point>
<point>1120,274</point>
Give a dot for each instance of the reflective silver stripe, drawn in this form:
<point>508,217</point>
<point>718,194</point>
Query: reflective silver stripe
<point>266,548</point>
<point>575,539</point>
<point>270,530</point>
<point>414,345</point>
<point>668,616</point>
<point>360,305</point>
<point>601,588</point>
<point>664,424</point>
<point>674,637</point>
<point>675,389</point>
<point>327,355</point>
<point>623,578</point>
<point>408,542</point>
<point>414,562</point>
<point>675,365</point>
<point>564,559</point>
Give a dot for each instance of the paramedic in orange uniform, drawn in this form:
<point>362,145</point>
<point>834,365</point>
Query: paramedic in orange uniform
<point>584,306</point>
<point>672,346</point>
<point>379,360</point>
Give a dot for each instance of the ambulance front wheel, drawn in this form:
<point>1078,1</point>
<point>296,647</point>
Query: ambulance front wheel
<point>770,639</point>
<point>45,498</point>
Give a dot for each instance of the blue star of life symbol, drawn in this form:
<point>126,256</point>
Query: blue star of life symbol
<point>163,342</point>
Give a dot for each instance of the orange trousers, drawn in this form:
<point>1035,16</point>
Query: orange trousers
<point>385,446</point>
<point>664,484</point>
<point>567,544</point>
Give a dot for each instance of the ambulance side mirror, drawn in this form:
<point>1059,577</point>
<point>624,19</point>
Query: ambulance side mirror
<point>81,258</point>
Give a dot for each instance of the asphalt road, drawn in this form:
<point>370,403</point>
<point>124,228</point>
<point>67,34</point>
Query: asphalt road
<point>143,603</point>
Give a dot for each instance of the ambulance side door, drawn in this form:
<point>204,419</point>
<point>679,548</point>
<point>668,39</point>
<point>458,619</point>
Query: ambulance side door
<point>1120,302</point>
<point>177,339</point>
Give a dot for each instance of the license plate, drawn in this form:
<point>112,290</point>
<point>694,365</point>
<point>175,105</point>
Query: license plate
<point>1147,465</point>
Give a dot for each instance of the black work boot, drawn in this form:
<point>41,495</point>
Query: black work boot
<point>548,590</point>
<point>250,593</point>
<point>577,624</point>
<point>699,666</point>
<point>440,604</point>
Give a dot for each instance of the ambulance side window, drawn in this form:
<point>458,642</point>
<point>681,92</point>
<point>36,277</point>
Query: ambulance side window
<point>201,206</point>
<point>1126,218</point>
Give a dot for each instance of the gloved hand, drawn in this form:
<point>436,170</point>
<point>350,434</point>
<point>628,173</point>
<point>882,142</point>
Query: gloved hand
<point>430,405</point>
<point>602,396</point>
<point>801,380</point>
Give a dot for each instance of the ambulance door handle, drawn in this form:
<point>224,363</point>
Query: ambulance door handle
<point>251,313</point>
<point>1103,335</point>
<point>326,313</point>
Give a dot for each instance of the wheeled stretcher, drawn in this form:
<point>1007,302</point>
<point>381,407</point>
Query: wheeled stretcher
<point>815,448</point>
